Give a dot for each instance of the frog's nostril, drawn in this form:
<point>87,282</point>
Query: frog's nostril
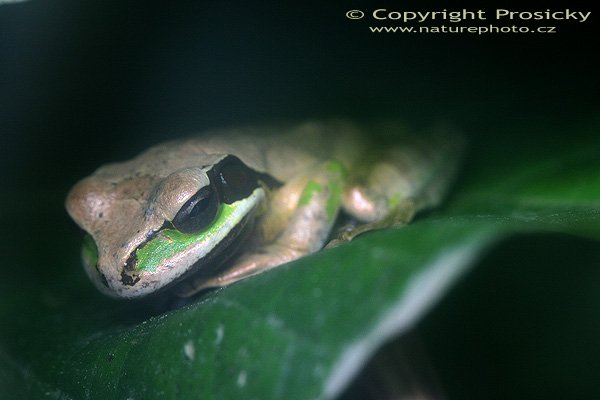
<point>129,280</point>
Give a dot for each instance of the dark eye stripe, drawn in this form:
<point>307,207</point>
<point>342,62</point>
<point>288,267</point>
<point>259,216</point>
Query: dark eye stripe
<point>235,180</point>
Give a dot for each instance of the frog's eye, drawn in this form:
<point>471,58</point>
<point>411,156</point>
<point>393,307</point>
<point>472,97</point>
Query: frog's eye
<point>198,212</point>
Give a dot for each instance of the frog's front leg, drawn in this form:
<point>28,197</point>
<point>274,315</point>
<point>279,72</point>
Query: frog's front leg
<point>298,221</point>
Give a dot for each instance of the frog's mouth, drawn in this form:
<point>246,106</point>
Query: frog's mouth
<point>169,256</point>
<point>225,251</point>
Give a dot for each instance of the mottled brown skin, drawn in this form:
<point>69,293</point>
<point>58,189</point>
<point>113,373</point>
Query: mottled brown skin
<point>122,204</point>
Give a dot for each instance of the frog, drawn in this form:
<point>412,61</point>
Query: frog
<point>207,211</point>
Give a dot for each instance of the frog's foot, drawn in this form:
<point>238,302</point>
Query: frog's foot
<point>403,181</point>
<point>377,212</point>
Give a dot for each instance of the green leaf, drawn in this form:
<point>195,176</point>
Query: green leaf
<point>304,330</point>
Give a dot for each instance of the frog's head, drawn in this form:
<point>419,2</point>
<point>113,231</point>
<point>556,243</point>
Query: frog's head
<point>147,230</point>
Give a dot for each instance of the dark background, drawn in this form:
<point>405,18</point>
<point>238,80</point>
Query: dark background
<point>83,83</point>
<point>87,82</point>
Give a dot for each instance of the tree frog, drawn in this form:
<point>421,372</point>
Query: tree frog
<point>208,211</point>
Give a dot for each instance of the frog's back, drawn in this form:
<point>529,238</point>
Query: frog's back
<point>283,151</point>
<point>280,151</point>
